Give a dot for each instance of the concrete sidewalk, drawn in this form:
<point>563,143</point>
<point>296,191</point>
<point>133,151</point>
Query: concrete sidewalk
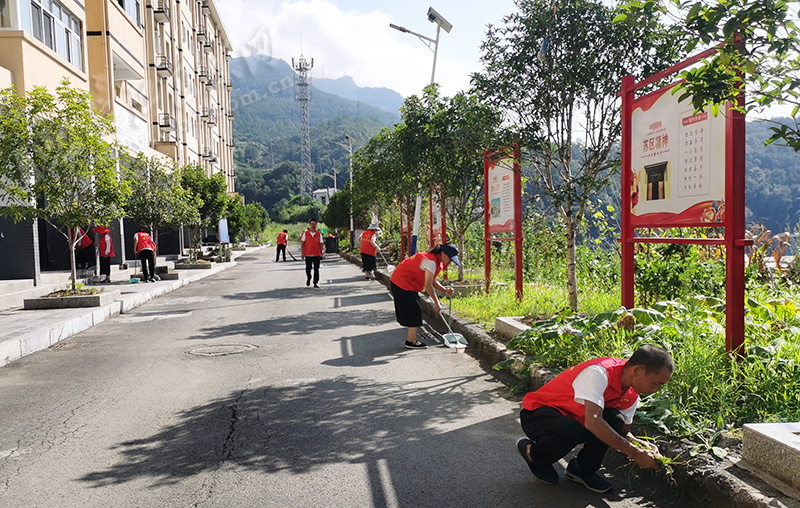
<point>23,332</point>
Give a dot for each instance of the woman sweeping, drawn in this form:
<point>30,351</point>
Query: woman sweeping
<point>413,275</point>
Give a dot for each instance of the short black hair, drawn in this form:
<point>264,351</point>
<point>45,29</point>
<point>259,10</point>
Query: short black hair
<point>652,358</point>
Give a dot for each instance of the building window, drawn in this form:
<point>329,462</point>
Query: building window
<point>133,9</point>
<point>58,29</point>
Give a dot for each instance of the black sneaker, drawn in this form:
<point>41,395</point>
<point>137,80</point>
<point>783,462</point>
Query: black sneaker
<point>588,479</point>
<point>316,285</point>
<point>545,474</point>
<point>308,282</point>
<point>416,345</point>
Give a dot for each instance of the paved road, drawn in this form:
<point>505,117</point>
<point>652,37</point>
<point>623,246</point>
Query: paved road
<point>325,408</point>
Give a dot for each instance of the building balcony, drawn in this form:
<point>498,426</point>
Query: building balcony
<point>206,9</point>
<point>231,114</point>
<point>161,11</point>
<point>166,122</point>
<point>208,46</point>
<point>163,66</point>
<point>201,34</point>
<point>204,74</point>
<point>229,84</point>
<point>209,155</point>
<point>228,57</point>
<point>209,116</point>
<point>232,144</point>
<point>211,83</point>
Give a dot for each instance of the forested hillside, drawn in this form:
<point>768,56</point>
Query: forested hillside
<point>773,181</point>
<point>267,128</point>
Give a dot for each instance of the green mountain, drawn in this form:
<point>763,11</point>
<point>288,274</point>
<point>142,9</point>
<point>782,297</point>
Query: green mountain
<point>267,127</point>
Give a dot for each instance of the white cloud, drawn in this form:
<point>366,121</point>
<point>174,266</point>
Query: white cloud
<point>357,43</point>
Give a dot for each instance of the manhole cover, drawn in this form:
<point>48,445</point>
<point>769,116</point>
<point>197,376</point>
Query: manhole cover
<point>221,349</point>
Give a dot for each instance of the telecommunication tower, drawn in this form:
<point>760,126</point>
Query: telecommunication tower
<point>302,83</point>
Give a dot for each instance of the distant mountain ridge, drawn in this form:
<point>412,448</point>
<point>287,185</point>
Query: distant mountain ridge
<point>382,98</point>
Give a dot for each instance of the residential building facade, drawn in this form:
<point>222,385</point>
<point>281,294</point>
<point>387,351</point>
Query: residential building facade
<point>160,67</point>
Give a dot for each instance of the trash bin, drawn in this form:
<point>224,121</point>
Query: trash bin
<point>331,245</point>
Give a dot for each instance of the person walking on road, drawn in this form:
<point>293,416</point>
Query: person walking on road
<point>591,403</point>
<point>413,275</point>
<point>106,250</point>
<point>145,250</point>
<point>311,242</point>
<point>282,241</point>
<point>369,249</point>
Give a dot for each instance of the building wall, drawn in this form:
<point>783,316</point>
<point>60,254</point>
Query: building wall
<point>161,71</point>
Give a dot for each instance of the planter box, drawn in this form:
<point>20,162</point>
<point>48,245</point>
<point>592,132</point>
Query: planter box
<point>193,266</point>
<point>169,276</point>
<point>509,327</point>
<point>71,302</point>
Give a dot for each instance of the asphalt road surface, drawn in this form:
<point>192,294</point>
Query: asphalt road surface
<point>316,404</point>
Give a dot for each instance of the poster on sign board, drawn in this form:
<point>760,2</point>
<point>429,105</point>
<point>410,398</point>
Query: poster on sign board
<point>677,163</point>
<point>500,188</point>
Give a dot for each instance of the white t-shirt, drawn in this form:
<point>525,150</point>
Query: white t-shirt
<point>591,383</point>
<point>428,264</point>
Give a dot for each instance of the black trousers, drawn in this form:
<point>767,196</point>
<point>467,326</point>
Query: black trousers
<point>105,266</point>
<point>313,262</point>
<point>147,257</point>
<point>555,435</point>
<point>281,249</point>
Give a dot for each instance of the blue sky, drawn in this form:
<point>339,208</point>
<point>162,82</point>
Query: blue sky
<point>353,37</point>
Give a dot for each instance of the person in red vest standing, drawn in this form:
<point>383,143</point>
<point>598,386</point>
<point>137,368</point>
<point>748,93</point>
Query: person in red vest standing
<point>145,250</point>
<point>369,249</point>
<point>591,403</point>
<point>283,240</point>
<point>311,242</point>
<point>413,275</point>
<point>84,257</point>
<point>106,248</point>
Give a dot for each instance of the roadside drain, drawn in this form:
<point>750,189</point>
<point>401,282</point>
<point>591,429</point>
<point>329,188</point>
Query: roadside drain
<point>220,349</point>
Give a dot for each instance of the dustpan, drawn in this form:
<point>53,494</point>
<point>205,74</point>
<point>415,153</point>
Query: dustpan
<point>389,268</point>
<point>453,340</point>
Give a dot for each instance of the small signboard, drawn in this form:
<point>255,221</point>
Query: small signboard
<point>500,191</point>
<point>677,163</point>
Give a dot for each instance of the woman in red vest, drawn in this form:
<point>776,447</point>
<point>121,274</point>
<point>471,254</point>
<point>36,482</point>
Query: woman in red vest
<point>369,248</point>
<point>591,403</point>
<point>413,275</point>
<point>106,247</point>
<point>145,250</point>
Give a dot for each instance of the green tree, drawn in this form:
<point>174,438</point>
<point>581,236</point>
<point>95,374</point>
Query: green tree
<point>210,195</point>
<point>556,69</point>
<point>758,43</point>
<point>158,199</point>
<point>254,220</point>
<point>55,162</point>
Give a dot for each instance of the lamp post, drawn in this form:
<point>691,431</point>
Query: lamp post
<point>349,147</point>
<point>441,23</point>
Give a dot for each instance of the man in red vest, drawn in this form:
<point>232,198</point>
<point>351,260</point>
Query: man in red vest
<point>145,250</point>
<point>283,237</point>
<point>311,242</point>
<point>591,403</point>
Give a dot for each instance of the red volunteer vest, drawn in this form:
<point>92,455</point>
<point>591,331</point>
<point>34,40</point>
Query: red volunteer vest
<point>144,242</point>
<point>560,395</point>
<point>106,244</point>
<point>366,243</point>
<point>409,276</point>
<point>313,243</point>
<point>282,238</point>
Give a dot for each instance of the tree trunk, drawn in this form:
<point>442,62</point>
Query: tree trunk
<point>72,236</point>
<point>572,275</point>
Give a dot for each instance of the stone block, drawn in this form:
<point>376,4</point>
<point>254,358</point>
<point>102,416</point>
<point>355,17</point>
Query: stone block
<point>774,448</point>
